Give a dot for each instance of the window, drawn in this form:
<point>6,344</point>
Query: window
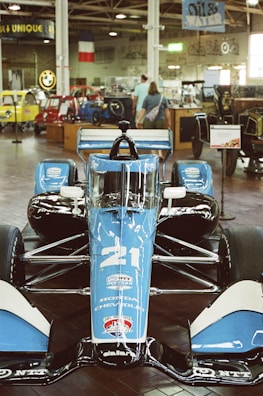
<point>255,56</point>
<point>224,77</point>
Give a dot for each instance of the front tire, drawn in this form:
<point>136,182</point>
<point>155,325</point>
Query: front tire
<point>241,252</point>
<point>96,118</point>
<point>11,247</point>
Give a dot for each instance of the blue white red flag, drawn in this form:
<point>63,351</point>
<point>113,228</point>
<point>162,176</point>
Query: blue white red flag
<point>86,47</point>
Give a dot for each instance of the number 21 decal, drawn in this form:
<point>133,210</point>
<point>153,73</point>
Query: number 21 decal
<point>119,256</point>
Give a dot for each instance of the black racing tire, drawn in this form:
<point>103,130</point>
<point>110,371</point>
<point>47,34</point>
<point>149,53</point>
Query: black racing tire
<point>97,118</point>
<point>11,247</point>
<point>231,161</point>
<point>197,145</point>
<point>240,251</point>
<point>116,107</point>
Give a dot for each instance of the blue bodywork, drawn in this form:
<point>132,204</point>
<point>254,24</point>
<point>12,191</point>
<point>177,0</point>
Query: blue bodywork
<point>51,174</point>
<point>123,202</point>
<point>226,336</point>
<point>194,175</point>
<point>18,335</point>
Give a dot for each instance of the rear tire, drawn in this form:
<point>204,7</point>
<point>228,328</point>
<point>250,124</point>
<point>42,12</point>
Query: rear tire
<point>116,108</point>
<point>231,161</point>
<point>11,246</point>
<point>241,252</point>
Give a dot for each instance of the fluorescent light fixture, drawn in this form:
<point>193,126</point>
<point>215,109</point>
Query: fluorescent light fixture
<point>14,7</point>
<point>121,16</point>
<point>113,34</point>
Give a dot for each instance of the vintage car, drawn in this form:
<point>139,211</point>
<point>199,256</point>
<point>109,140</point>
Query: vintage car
<point>18,107</point>
<point>84,93</point>
<point>234,105</point>
<point>119,223</point>
<point>57,109</point>
<point>98,111</point>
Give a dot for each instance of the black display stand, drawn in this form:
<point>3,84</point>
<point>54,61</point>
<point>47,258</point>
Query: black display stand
<point>224,216</point>
<point>16,126</point>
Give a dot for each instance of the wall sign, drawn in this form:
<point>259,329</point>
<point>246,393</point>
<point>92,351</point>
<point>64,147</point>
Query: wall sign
<point>206,15</point>
<point>27,29</point>
<point>47,80</point>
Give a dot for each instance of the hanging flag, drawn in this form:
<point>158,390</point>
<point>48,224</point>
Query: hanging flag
<point>86,47</point>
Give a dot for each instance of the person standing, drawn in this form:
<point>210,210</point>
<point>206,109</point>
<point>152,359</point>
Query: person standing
<point>153,99</point>
<point>140,92</point>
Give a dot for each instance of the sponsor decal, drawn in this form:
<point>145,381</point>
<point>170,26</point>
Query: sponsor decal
<point>192,172</point>
<point>53,172</point>
<point>7,373</point>
<point>223,374</point>
<point>117,326</point>
<point>117,352</point>
<point>119,282</point>
<point>115,301</point>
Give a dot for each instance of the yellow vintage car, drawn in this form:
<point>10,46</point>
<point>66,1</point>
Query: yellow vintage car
<point>18,107</point>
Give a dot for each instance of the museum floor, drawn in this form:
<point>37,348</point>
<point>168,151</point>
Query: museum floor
<point>168,314</point>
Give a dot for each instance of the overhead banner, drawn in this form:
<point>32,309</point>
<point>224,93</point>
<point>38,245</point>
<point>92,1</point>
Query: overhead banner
<point>27,29</point>
<point>205,15</point>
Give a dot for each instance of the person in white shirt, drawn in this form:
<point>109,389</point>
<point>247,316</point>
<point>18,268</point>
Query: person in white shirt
<point>140,92</point>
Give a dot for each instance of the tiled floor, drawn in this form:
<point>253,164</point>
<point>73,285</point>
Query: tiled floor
<point>242,199</point>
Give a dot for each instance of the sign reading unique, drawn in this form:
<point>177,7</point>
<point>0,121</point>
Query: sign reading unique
<point>206,15</point>
<point>27,29</point>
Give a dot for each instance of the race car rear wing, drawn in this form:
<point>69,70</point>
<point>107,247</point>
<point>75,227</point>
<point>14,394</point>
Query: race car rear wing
<point>145,139</point>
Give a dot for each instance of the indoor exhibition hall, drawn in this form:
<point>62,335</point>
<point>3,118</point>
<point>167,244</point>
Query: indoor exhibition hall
<point>131,226</point>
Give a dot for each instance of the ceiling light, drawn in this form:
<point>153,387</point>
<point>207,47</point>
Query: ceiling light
<point>46,41</point>
<point>14,7</point>
<point>174,67</point>
<point>113,34</point>
<point>121,16</point>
